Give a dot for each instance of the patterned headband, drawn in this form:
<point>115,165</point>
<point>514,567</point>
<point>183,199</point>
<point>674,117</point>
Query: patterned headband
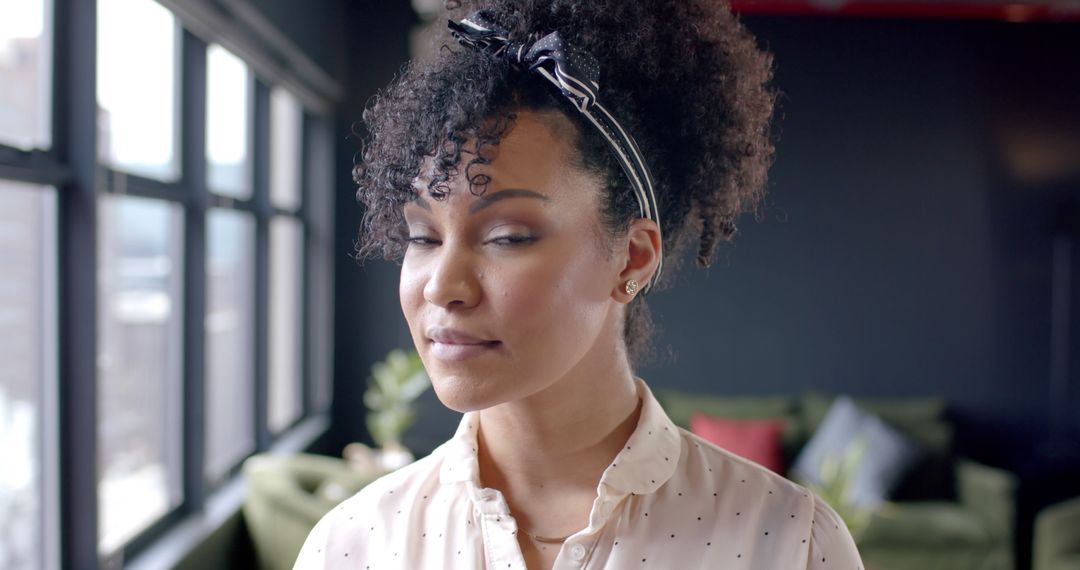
<point>576,73</point>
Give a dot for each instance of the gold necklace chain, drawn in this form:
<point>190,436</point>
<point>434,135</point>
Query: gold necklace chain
<point>545,539</point>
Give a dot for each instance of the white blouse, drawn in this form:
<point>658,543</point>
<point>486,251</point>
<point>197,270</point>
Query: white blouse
<point>668,500</point>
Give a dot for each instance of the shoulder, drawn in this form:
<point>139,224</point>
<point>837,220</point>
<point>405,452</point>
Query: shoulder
<point>787,508</point>
<point>394,491</point>
<point>363,518</point>
<point>831,544</point>
<point>718,464</point>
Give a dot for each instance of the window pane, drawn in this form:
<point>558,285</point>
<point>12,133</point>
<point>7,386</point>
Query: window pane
<point>319,178</point>
<point>286,120</point>
<point>286,326</point>
<point>25,73</point>
<point>228,104</point>
<point>136,87</point>
<point>28,375</point>
<point>139,335</point>
<point>230,349</point>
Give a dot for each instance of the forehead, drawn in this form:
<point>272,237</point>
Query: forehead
<point>535,154</point>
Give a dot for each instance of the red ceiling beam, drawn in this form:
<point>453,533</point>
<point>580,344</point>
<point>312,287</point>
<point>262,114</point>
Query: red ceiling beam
<point>1007,12</point>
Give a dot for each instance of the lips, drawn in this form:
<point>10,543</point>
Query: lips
<point>454,336</point>
<point>456,345</point>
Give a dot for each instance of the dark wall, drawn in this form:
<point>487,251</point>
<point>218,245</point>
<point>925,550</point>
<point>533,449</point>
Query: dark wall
<point>368,321</point>
<point>314,26</point>
<point>905,250</point>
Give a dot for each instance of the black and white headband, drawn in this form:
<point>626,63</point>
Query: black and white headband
<point>576,73</point>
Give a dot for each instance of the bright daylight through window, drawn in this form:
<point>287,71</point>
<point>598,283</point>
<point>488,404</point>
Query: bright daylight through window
<point>135,382</point>
<point>136,87</point>
<point>286,134</point>
<point>286,295</point>
<point>230,339</point>
<point>139,343</point>
<point>28,376</point>
<point>228,111</point>
<point>25,77</point>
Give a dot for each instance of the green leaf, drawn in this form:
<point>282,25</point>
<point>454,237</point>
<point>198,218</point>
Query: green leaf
<point>394,384</point>
<point>374,399</point>
<point>398,363</point>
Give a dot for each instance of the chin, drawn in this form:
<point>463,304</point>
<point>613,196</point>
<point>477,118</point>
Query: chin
<point>465,387</point>
<point>465,394</point>
<point>471,392</point>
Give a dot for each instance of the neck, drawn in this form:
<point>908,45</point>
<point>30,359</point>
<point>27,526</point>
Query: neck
<point>560,439</point>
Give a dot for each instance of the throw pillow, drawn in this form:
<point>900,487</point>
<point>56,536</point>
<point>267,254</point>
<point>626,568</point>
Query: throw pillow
<point>859,447</point>
<point>757,440</point>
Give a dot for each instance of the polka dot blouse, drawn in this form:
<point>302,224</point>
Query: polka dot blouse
<point>668,500</point>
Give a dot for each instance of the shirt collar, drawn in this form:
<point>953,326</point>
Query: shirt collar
<point>651,453</point>
<point>460,461</point>
<point>641,467</point>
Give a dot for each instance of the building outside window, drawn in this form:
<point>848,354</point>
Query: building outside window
<point>178,263</point>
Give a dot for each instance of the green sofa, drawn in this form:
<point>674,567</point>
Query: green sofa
<point>1057,537</point>
<point>287,495</point>
<point>948,514</point>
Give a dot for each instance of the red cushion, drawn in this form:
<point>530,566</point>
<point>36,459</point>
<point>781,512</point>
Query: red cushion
<point>756,440</point>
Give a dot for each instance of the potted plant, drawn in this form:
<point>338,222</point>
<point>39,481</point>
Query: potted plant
<point>837,479</point>
<point>394,385</point>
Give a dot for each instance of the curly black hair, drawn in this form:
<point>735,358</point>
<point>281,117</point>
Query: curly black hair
<point>684,77</point>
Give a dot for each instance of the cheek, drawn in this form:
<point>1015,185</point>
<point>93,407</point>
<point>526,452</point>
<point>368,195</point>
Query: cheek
<point>520,295</point>
<point>555,300</point>
<point>410,291</point>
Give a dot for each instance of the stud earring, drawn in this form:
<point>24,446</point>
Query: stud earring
<point>631,287</point>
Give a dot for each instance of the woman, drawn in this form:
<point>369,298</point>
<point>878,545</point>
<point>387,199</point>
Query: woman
<point>536,181</point>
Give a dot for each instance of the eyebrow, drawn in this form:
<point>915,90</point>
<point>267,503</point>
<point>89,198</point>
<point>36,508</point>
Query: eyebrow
<point>488,199</point>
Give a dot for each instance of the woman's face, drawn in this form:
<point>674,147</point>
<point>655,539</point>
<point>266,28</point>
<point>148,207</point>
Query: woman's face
<point>508,292</point>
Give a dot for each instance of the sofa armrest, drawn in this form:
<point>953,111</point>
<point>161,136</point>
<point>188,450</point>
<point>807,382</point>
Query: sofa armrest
<point>286,497</point>
<point>911,526</point>
<point>1057,536</point>
<point>990,493</point>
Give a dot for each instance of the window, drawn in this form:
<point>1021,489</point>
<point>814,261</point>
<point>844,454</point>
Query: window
<point>228,111</point>
<point>230,268</point>
<point>160,295</point>
<point>285,390</point>
<point>25,64</point>
<point>320,261</point>
<point>286,288</point>
<point>136,87</point>
<point>139,335</point>
<point>286,123</point>
<point>230,334</point>
<point>28,376</point>
<point>28,299</point>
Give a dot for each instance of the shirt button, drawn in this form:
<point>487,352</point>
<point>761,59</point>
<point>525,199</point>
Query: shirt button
<point>577,552</point>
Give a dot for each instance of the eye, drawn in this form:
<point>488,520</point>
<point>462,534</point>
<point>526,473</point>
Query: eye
<point>421,241</point>
<point>512,240</point>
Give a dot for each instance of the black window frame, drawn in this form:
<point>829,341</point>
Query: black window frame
<point>71,165</point>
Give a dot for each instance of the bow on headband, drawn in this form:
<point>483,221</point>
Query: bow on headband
<point>577,76</point>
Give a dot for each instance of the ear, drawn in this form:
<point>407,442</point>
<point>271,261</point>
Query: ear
<point>642,251</point>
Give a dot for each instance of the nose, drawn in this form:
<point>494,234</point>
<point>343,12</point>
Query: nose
<point>454,280</point>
